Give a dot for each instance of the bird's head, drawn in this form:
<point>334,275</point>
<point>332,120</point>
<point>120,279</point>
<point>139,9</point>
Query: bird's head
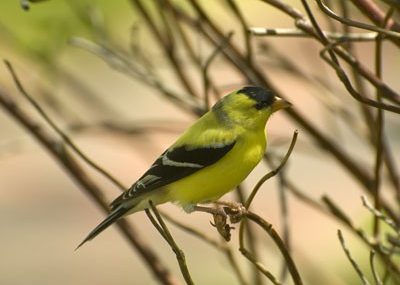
<point>250,106</point>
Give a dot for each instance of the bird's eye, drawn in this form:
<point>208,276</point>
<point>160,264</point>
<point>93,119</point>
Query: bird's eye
<point>261,105</point>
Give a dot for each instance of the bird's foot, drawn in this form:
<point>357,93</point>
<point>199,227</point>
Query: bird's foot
<point>220,220</point>
<point>234,210</point>
<point>210,210</point>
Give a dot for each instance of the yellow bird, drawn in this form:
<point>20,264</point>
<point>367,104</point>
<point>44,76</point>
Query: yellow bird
<point>209,159</point>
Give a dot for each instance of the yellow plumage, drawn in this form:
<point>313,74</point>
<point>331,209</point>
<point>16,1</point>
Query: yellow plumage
<point>209,159</point>
<point>216,180</point>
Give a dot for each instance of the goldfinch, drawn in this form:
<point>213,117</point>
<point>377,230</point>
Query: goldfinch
<point>209,159</point>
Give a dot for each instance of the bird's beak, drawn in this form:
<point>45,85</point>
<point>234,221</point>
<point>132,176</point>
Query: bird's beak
<point>280,104</point>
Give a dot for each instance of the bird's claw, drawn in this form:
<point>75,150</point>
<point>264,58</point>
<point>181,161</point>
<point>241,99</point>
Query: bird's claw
<point>234,210</point>
<point>223,228</point>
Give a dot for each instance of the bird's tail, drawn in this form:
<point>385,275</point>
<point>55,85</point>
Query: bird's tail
<point>111,218</point>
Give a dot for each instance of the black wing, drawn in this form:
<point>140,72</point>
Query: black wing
<point>173,165</point>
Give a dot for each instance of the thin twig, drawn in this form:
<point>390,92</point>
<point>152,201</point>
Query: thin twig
<point>188,47</point>
<point>58,130</point>
<point>166,45</point>
<point>245,28</point>
<point>267,227</point>
<point>282,191</point>
<point>222,246</point>
<point>364,279</point>
<point>121,63</point>
<point>367,112</point>
<point>380,126</point>
<point>57,149</point>
<point>379,215</point>
<point>206,67</point>
<point>303,23</point>
<point>371,243</point>
<point>375,274</point>
<point>243,225</point>
<point>259,266</point>
<point>297,33</point>
<point>273,172</point>
<point>372,11</point>
<point>356,24</point>
<point>346,82</point>
<point>334,62</point>
<point>249,233</point>
<point>162,228</point>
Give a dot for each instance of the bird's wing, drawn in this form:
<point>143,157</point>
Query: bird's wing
<point>172,165</point>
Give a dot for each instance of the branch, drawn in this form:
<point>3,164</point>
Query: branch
<point>58,130</point>
<point>351,23</point>
<point>206,67</point>
<point>222,246</point>
<point>346,82</point>
<point>259,266</point>
<point>352,261</point>
<point>371,243</point>
<point>166,45</point>
<point>267,227</point>
<point>304,24</point>
<point>297,33</point>
<point>165,233</point>
<point>273,172</point>
<point>375,274</point>
<point>57,149</point>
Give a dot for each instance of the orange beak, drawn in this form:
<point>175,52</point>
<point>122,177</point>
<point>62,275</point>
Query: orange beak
<point>280,104</point>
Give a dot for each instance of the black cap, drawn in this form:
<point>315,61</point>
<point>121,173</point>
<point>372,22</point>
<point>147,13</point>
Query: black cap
<point>262,96</point>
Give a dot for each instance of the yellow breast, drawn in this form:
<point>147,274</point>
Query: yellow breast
<point>213,181</point>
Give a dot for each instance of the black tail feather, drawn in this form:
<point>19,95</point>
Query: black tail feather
<point>111,218</point>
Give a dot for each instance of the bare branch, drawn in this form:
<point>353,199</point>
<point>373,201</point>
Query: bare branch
<point>259,266</point>
<point>297,33</point>
<point>58,130</point>
<point>348,22</point>
<point>267,227</point>
<point>272,173</point>
<point>222,246</point>
<point>375,274</point>
<point>163,230</point>
<point>57,149</point>
<point>352,261</point>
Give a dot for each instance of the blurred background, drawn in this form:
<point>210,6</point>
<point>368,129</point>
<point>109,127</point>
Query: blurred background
<point>123,87</point>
